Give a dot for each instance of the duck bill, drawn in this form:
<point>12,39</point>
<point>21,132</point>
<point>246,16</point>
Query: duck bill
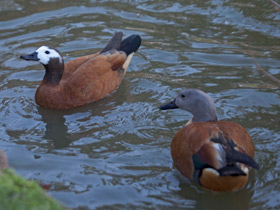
<point>30,57</point>
<point>171,105</point>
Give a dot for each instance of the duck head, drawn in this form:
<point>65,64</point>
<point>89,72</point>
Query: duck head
<point>197,102</point>
<point>51,59</point>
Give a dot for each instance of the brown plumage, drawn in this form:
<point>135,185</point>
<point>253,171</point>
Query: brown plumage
<point>216,154</point>
<point>85,79</point>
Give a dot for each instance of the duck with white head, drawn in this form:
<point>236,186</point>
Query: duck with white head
<point>85,79</point>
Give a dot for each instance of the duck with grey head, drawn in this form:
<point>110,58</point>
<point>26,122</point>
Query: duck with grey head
<point>216,154</point>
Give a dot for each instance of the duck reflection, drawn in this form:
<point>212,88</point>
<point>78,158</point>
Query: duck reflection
<point>206,199</point>
<point>56,130</point>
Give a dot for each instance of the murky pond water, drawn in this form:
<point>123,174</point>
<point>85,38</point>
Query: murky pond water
<point>115,153</point>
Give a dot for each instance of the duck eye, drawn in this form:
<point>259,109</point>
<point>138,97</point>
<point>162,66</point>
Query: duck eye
<point>182,95</point>
<point>47,52</point>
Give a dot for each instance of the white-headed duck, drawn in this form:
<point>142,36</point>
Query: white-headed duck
<point>85,79</point>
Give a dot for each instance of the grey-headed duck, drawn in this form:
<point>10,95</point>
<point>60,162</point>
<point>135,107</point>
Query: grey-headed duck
<point>216,154</point>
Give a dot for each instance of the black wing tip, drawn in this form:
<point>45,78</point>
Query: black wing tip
<point>255,165</point>
<point>236,156</point>
<point>114,42</point>
<point>118,33</point>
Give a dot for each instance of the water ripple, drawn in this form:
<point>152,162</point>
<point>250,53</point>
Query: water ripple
<point>115,153</point>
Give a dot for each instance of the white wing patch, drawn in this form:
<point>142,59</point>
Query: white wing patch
<point>222,153</point>
<point>45,54</point>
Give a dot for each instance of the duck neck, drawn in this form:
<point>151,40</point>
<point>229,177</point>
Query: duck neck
<point>54,71</point>
<point>204,118</point>
<point>205,113</point>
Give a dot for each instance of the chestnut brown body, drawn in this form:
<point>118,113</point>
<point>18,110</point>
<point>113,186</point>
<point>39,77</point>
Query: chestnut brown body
<point>195,138</point>
<point>85,79</point>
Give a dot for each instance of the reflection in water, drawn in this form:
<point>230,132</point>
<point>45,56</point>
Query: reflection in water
<point>206,199</point>
<point>56,130</point>
<point>233,200</point>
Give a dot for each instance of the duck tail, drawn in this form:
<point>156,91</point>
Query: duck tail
<point>131,44</point>
<point>128,45</point>
<point>231,170</point>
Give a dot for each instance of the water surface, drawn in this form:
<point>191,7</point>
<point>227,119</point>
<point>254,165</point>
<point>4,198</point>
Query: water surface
<point>115,153</point>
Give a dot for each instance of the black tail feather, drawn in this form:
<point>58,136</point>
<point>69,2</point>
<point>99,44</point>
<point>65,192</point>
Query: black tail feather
<point>131,44</point>
<point>114,43</point>
<point>231,170</point>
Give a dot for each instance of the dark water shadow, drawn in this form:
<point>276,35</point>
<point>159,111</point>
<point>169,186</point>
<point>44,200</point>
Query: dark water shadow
<point>56,130</point>
<point>206,199</point>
